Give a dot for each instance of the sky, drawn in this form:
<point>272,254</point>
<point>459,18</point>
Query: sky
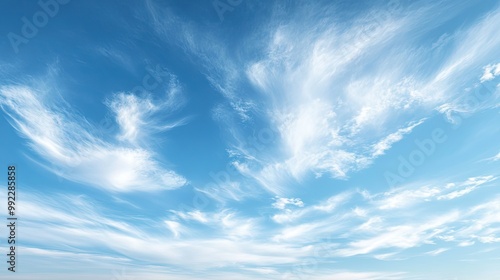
<point>247,139</point>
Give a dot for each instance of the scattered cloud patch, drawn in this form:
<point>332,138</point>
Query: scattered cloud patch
<point>490,72</point>
<point>404,197</point>
<point>281,202</point>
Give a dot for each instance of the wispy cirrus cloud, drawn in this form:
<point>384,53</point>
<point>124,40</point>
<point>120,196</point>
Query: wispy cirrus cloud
<point>306,84</point>
<point>218,241</point>
<point>494,158</point>
<point>138,117</point>
<point>49,264</point>
<point>331,115</point>
<point>456,227</point>
<point>205,50</point>
<point>436,252</point>
<point>353,227</point>
<point>387,142</point>
<point>403,236</point>
<point>123,244</point>
<point>404,197</point>
<point>342,95</point>
<point>81,223</point>
<point>282,202</point>
<point>322,207</point>
<point>71,147</point>
<point>308,90</point>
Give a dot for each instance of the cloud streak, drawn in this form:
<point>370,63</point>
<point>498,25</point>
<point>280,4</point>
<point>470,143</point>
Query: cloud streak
<point>70,146</point>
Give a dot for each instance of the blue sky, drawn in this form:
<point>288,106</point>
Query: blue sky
<point>252,139</point>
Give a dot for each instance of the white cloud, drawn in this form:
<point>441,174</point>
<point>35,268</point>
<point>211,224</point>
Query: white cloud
<point>332,115</point>
<point>323,207</point>
<point>138,117</point>
<point>403,236</point>
<point>331,118</point>
<point>475,47</point>
<point>309,101</point>
<point>129,110</point>
<point>282,202</point>
<point>484,224</point>
<point>228,222</point>
<point>468,186</point>
<point>200,237</point>
<point>387,142</point>
<point>437,251</point>
<point>207,52</point>
<point>71,148</point>
<point>195,215</point>
<point>223,191</point>
<point>82,224</point>
<point>372,225</point>
<point>494,158</point>
<point>304,100</point>
<point>462,227</point>
<point>466,243</point>
<point>490,72</point>
<point>489,239</point>
<point>405,197</point>
<point>377,229</point>
<point>174,227</point>
<point>48,264</point>
<point>384,257</point>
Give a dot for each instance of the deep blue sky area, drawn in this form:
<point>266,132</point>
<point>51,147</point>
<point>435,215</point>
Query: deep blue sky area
<point>239,139</point>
